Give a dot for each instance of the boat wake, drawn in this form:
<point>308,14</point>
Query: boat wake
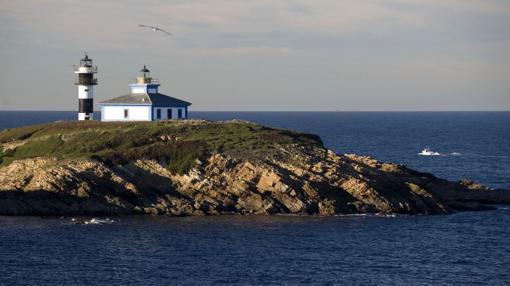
<point>428,152</point>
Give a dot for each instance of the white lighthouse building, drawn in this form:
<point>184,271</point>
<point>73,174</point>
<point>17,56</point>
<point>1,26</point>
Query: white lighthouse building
<point>85,81</point>
<point>144,103</point>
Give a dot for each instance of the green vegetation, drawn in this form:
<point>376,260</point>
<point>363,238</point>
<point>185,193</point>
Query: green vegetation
<point>177,143</point>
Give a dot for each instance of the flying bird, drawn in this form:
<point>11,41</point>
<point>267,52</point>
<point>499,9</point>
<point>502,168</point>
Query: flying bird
<point>154,29</point>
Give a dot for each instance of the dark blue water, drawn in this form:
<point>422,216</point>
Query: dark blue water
<point>460,249</point>
<point>468,248</point>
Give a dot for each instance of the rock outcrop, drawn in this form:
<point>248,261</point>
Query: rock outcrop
<point>292,179</point>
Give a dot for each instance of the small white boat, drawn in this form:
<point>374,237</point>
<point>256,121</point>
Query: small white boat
<point>428,152</point>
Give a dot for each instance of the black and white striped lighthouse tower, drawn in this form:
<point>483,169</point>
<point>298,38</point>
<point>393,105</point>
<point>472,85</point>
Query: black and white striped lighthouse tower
<point>85,82</point>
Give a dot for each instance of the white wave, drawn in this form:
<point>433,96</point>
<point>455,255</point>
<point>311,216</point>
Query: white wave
<point>92,221</point>
<point>370,215</point>
<point>433,154</point>
<point>428,152</point>
<point>353,215</point>
<point>387,215</point>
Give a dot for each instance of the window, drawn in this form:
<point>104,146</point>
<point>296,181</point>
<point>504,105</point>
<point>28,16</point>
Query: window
<point>126,113</point>
<point>179,113</point>
<point>169,113</point>
<point>158,113</point>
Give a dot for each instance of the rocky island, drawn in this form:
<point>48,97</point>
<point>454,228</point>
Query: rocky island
<point>198,167</point>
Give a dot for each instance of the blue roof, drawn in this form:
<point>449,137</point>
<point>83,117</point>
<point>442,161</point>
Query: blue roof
<point>159,99</point>
<point>155,99</point>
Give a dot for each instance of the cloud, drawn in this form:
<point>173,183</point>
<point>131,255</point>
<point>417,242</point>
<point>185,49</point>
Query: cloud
<point>288,48</point>
<point>221,25</point>
<point>245,51</point>
<point>113,24</point>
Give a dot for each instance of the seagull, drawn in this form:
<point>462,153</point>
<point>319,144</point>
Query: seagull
<point>154,29</point>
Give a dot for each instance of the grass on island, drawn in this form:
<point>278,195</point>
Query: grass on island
<point>177,143</point>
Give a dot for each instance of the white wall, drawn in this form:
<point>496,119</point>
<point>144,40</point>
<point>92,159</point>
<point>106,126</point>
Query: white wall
<point>116,113</point>
<point>81,116</point>
<point>138,90</point>
<point>85,91</point>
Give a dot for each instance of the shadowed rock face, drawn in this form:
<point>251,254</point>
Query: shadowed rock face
<point>292,179</point>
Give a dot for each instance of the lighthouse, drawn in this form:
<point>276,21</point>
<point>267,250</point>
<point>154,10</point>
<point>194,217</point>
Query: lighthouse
<point>85,81</point>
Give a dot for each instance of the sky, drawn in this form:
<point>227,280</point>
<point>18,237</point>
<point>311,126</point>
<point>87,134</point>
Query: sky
<point>263,55</point>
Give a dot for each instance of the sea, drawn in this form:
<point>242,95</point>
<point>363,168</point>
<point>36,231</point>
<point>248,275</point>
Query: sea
<point>466,248</point>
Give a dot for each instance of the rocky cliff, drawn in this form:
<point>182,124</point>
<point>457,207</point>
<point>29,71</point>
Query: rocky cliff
<point>198,167</point>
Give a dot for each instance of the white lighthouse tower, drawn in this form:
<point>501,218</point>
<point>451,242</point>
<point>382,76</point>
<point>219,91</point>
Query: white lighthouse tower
<point>85,82</point>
